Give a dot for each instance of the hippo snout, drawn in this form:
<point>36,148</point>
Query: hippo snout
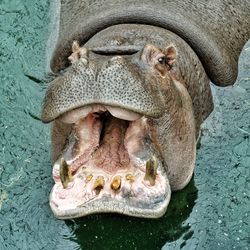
<point>97,79</point>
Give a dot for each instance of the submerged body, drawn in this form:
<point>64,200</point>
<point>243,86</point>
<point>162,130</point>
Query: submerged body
<point>126,115</point>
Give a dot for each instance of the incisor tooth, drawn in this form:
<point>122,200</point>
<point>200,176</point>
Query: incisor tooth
<point>99,183</point>
<point>130,177</point>
<point>89,178</point>
<point>151,170</point>
<point>65,173</point>
<point>116,183</point>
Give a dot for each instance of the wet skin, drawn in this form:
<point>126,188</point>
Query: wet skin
<point>126,107</point>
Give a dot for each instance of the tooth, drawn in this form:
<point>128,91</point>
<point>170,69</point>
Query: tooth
<point>89,178</point>
<point>99,183</point>
<point>116,183</point>
<point>130,177</point>
<point>65,173</point>
<point>151,170</point>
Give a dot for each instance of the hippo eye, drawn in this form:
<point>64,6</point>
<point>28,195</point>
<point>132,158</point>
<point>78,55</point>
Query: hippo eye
<point>162,60</point>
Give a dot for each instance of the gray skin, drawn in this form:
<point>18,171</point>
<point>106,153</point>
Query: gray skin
<point>119,66</point>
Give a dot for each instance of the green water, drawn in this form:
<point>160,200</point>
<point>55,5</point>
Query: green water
<point>213,212</point>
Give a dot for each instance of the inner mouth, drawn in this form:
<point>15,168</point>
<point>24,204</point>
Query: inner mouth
<point>110,164</point>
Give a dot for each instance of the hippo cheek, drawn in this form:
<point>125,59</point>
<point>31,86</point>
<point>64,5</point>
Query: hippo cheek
<point>109,163</point>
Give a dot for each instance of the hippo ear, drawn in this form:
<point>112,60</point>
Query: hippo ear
<point>171,54</point>
<point>77,52</point>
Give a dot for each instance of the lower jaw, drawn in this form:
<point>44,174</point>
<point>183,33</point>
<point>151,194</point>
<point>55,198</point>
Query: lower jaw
<point>107,204</point>
<point>138,197</point>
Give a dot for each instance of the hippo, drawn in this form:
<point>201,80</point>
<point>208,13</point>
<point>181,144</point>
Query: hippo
<point>130,90</point>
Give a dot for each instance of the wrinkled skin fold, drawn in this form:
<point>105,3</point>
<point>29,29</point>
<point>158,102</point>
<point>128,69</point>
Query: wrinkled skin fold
<point>126,108</point>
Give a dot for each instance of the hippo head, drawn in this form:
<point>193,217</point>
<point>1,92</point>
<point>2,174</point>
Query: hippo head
<point>127,105</point>
<point>120,125</point>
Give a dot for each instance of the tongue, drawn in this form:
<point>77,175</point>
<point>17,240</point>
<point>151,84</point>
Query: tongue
<point>112,155</point>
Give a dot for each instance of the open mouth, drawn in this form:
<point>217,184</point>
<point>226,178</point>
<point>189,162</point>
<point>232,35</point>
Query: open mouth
<point>109,164</point>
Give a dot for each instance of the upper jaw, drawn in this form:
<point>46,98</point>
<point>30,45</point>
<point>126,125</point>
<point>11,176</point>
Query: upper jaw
<point>113,82</point>
<point>117,109</point>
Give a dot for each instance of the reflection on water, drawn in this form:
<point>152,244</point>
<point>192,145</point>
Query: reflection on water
<point>217,219</point>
